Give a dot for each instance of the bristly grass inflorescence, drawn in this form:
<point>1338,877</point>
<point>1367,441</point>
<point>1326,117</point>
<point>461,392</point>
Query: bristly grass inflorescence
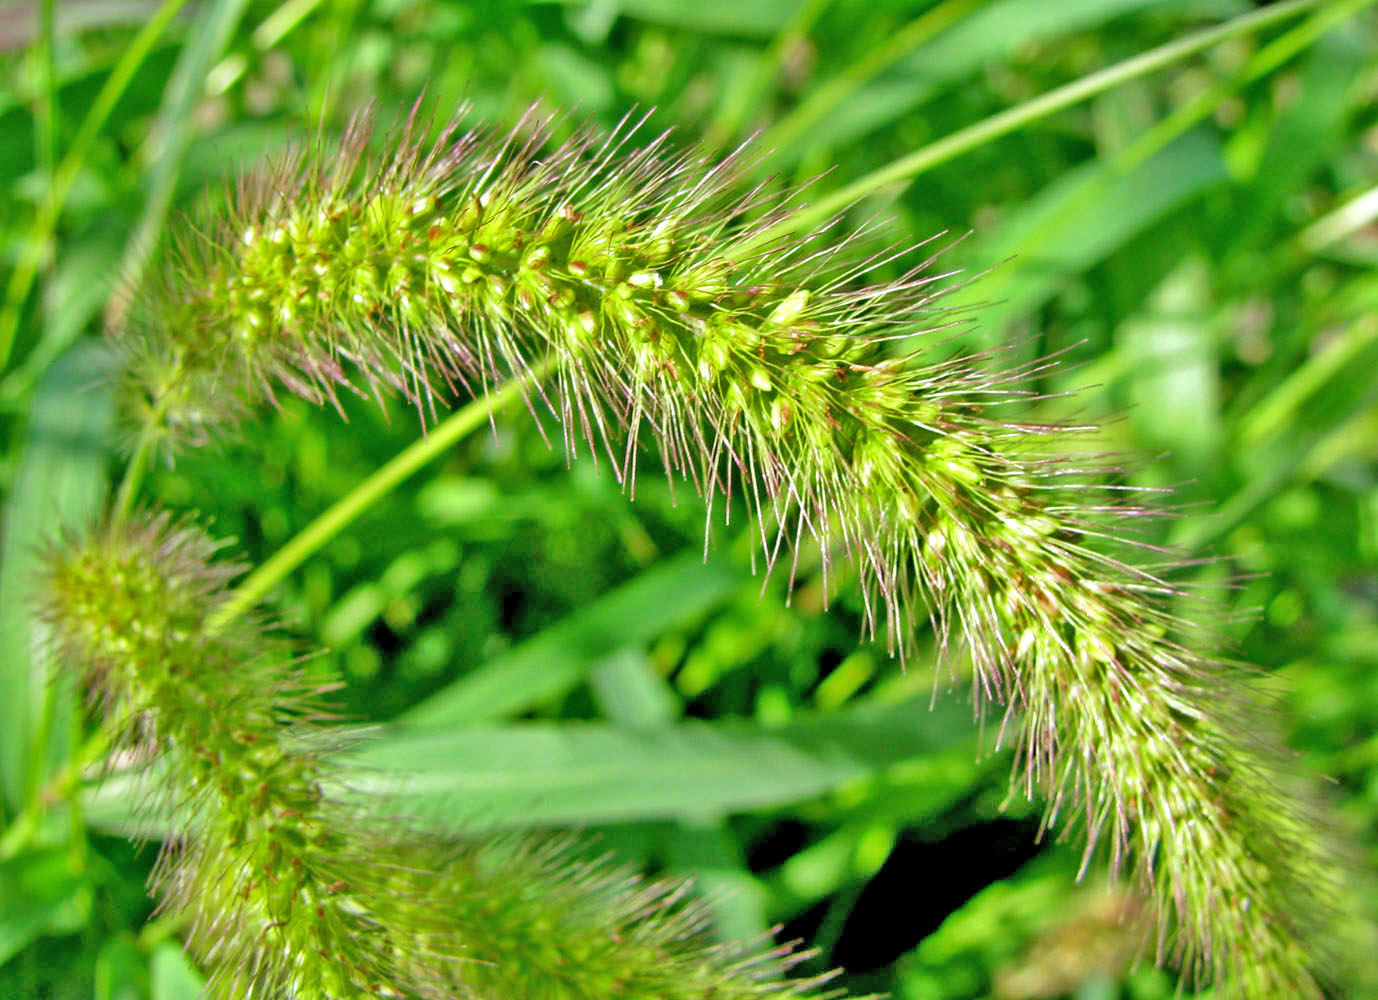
<point>648,286</point>
<point>286,883</point>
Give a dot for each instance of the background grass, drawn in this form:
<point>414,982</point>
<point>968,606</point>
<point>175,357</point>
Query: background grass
<point>1196,242</point>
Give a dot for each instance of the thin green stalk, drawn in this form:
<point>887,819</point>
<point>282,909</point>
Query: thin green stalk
<point>310,539</point>
<point>1344,220</point>
<point>737,104</point>
<point>77,847</point>
<point>281,22</point>
<point>38,749</point>
<point>1266,60</point>
<point>844,86</point>
<point>40,234</point>
<point>1172,126</point>
<point>45,122</point>
<point>144,451</point>
<point>62,788</point>
<point>906,168</point>
<point>167,144</point>
<point>134,475</point>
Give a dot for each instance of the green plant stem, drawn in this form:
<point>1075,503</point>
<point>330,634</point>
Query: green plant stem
<point>133,476</point>
<point>1172,126</point>
<point>40,234</point>
<point>906,168</point>
<point>38,749</point>
<point>739,103</point>
<point>63,787</point>
<point>282,22</point>
<point>1266,60</point>
<point>45,121</point>
<point>77,848</point>
<point>329,524</point>
<point>844,86</point>
<point>167,143</point>
<point>138,465</point>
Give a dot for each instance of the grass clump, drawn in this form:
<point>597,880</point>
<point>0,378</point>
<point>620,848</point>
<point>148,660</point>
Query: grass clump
<point>1185,199</point>
<point>603,271</point>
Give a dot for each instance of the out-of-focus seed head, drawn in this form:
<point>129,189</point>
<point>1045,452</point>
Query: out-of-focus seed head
<point>286,886</point>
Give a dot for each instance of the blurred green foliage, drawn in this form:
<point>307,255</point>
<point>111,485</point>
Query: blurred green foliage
<point>1197,244</point>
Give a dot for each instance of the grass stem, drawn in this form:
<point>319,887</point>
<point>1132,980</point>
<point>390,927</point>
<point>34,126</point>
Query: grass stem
<point>31,256</point>
<point>906,168</point>
<point>329,524</point>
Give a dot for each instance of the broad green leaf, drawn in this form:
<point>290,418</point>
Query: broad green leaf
<point>1172,368</point>
<point>121,970</point>
<point>81,284</point>
<point>631,693</point>
<point>581,773</point>
<point>711,854</point>
<point>174,977</point>
<point>1000,28</point>
<point>577,80</point>
<point>1301,137</point>
<point>37,891</point>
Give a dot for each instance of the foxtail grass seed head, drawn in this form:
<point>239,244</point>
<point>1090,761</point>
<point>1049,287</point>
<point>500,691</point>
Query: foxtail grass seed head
<point>289,887</point>
<point>428,269</point>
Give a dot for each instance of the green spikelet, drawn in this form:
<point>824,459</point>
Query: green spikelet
<point>425,269</point>
<point>290,889</point>
<point>227,718</point>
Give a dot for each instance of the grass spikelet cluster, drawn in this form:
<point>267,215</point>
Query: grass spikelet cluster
<point>646,283</point>
<point>289,889</point>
